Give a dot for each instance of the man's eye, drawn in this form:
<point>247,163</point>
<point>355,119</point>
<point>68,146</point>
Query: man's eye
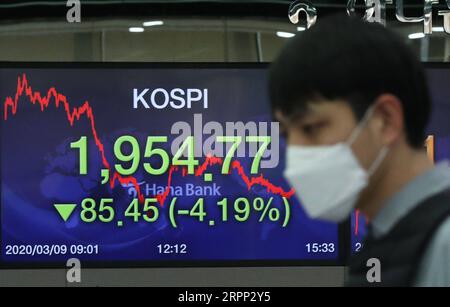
<point>311,128</point>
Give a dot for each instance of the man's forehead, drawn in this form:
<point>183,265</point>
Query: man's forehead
<point>321,106</point>
<point>314,109</point>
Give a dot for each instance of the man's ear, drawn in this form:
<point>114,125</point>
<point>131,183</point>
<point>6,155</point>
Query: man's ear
<point>389,111</point>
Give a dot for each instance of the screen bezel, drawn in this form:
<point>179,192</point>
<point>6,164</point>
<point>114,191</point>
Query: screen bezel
<point>344,239</point>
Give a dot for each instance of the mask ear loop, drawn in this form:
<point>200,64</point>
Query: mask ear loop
<point>379,159</point>
<point>383,152</point>
<point>355,133</point>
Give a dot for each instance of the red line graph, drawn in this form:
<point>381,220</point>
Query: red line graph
<point>85,109</point>
<point>358,215</point>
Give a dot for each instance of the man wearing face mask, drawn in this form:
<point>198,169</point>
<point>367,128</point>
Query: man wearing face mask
<point>354,104</point>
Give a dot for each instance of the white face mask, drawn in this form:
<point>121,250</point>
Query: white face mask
<point>328,179</point>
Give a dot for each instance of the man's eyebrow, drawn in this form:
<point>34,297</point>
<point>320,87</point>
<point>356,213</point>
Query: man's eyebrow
<point>301,115</point>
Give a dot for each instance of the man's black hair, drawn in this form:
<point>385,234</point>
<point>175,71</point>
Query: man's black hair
<point>346,58</point>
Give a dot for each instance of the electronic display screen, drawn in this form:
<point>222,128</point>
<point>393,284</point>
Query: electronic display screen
<point>150,164</point>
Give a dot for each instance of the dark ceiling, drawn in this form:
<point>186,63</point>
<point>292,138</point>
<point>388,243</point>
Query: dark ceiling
<point>13,9</point>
